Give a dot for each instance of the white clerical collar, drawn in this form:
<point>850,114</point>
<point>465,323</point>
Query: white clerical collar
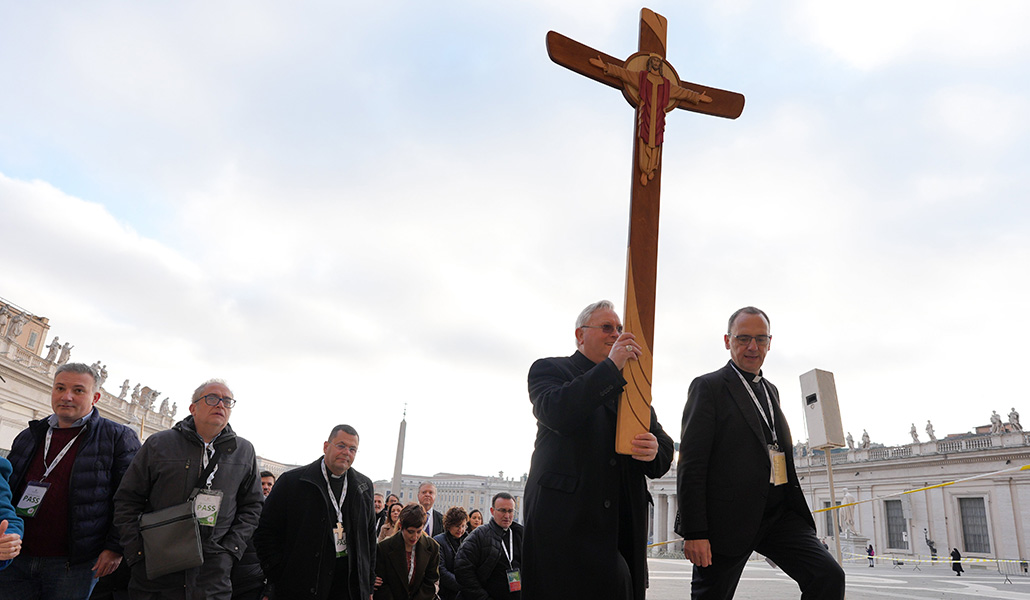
<point>757,378</point>
<point>53,422</point>
<point>331,474</point>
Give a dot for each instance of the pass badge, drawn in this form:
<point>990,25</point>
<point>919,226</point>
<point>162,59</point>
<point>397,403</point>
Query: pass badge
<point>340,541</point>
<point>514,580</point>
<point>32,498</point>
<point>778,473</point>
<point>206,506</point>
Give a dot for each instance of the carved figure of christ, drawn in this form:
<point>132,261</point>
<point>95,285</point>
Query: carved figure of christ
<point>640,77</point>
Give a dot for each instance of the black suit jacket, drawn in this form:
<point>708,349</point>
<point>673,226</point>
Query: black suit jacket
<point>722,478</point>
<point>392,567</point>
<point>437,518</point>
<point>584,503</point>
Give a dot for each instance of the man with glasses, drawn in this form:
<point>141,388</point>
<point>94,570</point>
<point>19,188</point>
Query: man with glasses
<point>167,471</point>
<point>66,468</point>
<point>586,506</point>
<point>736,485</point>
<point>488,563</point>
<point>317,535</point>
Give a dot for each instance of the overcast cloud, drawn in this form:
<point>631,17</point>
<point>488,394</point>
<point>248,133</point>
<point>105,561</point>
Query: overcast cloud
<point>346,210</point>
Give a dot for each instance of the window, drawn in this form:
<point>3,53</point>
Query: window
<point>32,340</point>
<point>896,535</point>
<point>974,525</point>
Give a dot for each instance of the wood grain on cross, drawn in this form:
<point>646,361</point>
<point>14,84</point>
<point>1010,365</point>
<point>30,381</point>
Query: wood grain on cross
<point>641,77</point>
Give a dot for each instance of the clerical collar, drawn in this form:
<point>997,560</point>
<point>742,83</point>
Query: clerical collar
<point>53,422</point>
<point>331,474</point>
<point>751,376</point>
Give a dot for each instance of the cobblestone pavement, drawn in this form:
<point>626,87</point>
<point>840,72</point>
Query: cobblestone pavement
<point>670,580</point>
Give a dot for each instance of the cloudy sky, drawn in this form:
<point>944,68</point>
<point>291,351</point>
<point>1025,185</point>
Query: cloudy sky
<point>347,208</point>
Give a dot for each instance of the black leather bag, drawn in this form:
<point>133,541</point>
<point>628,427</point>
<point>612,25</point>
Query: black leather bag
<point>171,540</point>
<point>171,536</point>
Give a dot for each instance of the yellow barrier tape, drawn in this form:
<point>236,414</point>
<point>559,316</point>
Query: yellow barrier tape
<point>923,489</point>
<point>918,559</point>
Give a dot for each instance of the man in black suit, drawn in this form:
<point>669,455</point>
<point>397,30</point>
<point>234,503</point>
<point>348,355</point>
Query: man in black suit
<point>736,485</point>
<point>586,506</point>
<point>427,498</point>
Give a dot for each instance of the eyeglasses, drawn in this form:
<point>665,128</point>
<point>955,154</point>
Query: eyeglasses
<point>214,399</point>
<point>346,448</point>
<point>607,328</point>
<point>508,511</point>
<point>745,340</point>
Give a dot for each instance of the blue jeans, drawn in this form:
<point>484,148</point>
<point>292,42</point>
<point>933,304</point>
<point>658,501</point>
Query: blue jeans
<point>46,578</point>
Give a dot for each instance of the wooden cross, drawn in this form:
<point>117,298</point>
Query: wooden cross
<point>338,530</point>
<point>652,86</point>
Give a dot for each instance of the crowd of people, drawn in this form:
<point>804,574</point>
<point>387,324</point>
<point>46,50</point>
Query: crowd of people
<point>188,514</point>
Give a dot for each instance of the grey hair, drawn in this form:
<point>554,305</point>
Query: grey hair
<point>747,310</point>
<point>584,316</point>
<point>82,369</point>
<point>196,392</point>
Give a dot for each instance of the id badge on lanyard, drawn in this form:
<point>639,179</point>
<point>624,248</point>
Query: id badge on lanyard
<point>29,503</point>
<point>206,506</point>
<point>778,472</point>
<point>32,498</point>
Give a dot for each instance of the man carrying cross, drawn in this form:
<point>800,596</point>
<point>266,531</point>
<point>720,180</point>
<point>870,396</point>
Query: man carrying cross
<point>317,534</point>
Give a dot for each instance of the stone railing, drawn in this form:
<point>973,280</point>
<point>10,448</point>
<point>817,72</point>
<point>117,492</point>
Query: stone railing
<point>20,355</point>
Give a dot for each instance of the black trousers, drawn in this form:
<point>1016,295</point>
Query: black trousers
<point>787,540</point>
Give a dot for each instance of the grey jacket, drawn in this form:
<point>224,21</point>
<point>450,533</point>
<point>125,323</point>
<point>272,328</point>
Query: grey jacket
<point>164,473</point>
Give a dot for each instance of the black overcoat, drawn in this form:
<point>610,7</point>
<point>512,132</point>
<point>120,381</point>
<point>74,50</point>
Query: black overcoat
<point>293,536</point>
<point>577,484</point>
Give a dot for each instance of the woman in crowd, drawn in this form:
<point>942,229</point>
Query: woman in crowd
<point>475,519</point>
<point>454,523</point>
<point>956,561</point>
<point>392,524</point>
<point>408,563</point>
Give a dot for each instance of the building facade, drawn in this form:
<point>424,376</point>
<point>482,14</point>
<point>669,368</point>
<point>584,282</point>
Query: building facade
<point>973,497</point>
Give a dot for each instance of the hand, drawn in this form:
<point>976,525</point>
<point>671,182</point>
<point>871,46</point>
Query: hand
<point>624,349</point>
<point>378,583</point>
<point>645,447</point>
<point>597,62</point>
<point>705,98</point>
<point>106,564</point>
<point>10,543</point>
<point>698,552</point>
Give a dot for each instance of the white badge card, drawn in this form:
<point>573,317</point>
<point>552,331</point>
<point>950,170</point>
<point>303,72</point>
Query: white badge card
<point>778,473</point>
<point>340,541</point>
<point>206,506</point>
<point>32,498</point>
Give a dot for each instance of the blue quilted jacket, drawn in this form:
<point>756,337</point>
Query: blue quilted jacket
<point>104,452</point>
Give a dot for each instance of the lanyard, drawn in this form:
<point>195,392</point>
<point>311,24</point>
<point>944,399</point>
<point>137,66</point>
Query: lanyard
<point>205,458</point>
<point>770,421</point>
<point>343,494</point>
<point>509,552</point>
<point>411,565</point>
<point>60,455</point>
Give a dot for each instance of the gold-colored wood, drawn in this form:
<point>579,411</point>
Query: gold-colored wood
<point>642,254</point>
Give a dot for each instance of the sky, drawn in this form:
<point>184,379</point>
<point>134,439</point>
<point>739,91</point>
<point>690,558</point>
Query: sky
<point>349,210</point>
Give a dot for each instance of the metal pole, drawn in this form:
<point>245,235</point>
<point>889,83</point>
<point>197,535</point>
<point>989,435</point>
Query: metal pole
<point>833,502</point>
